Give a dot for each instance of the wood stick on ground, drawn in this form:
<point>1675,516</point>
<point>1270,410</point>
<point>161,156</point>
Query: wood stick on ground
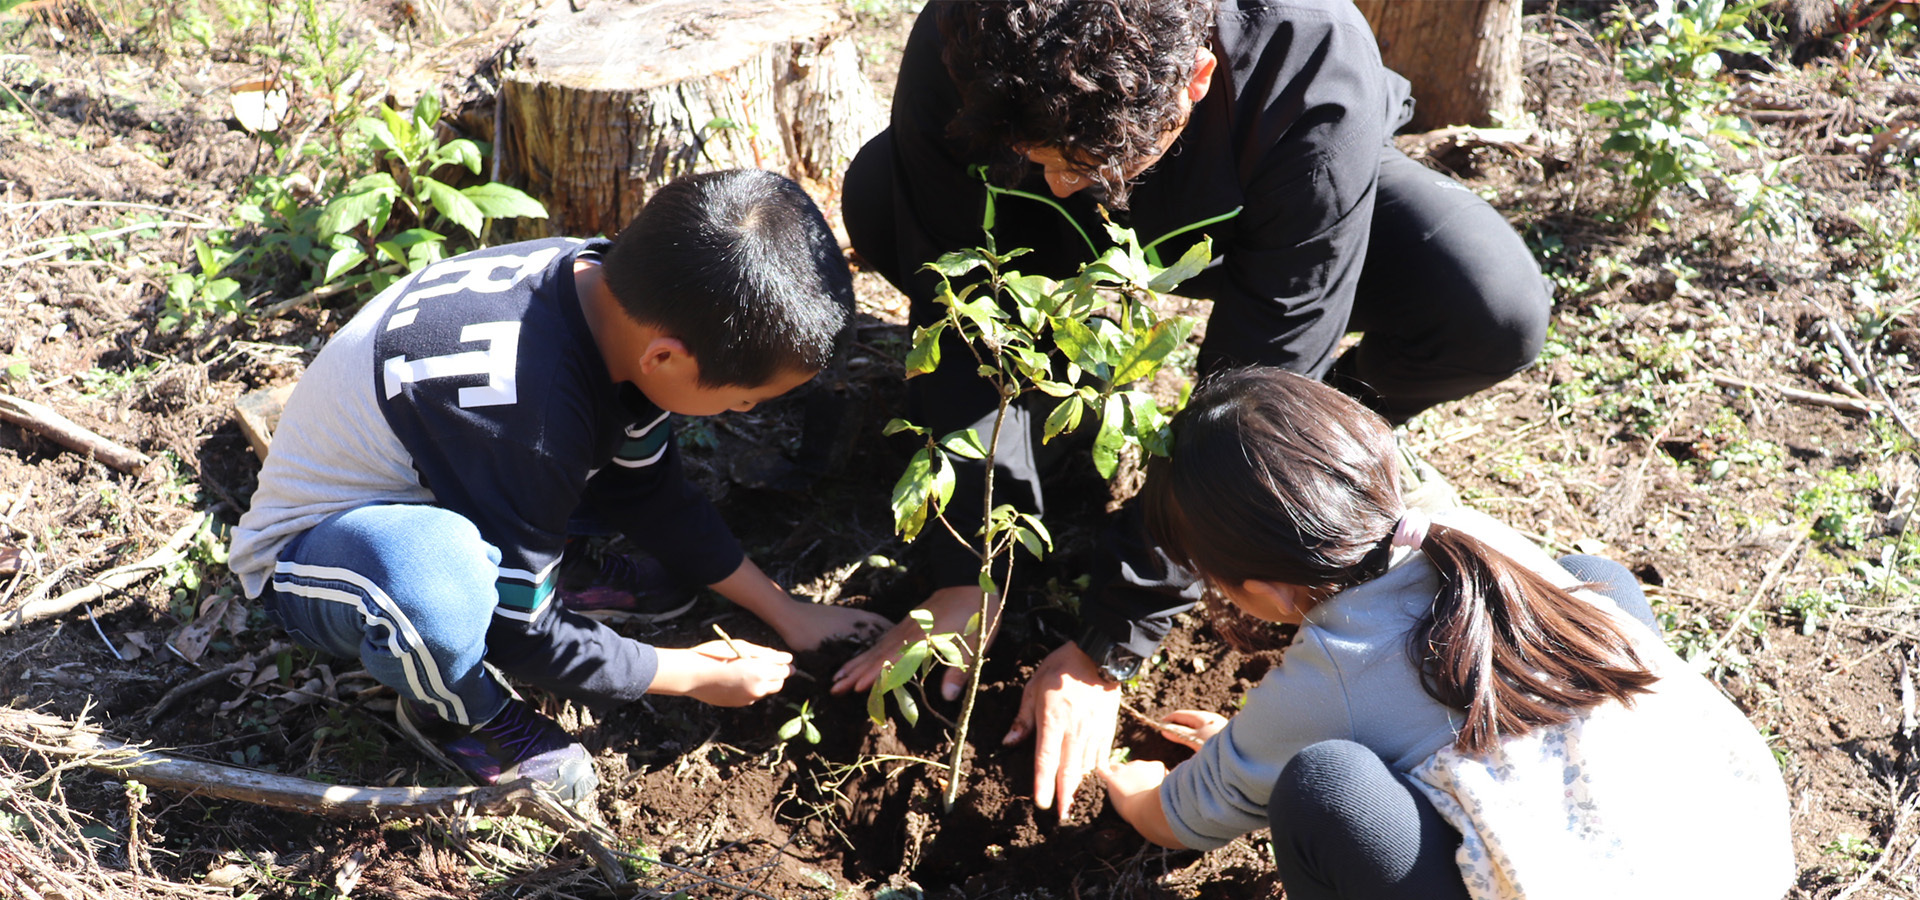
<point>1796,395</point>
<point>320,293</point>
<point>1838,336</point>
<point>1759,593</point>
<point>36,609</point>
<point>58,737</point>
<point>61,430</point>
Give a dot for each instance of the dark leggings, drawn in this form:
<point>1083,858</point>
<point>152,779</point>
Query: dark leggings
<point>1347,826</point>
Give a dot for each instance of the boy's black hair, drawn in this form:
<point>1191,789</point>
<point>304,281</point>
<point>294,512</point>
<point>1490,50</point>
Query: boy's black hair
<point>740,266</point>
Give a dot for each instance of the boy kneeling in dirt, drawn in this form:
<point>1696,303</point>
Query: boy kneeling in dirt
<point>415,506</point>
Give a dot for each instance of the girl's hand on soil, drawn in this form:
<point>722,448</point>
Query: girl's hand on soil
<point>1076,711</point>
<point>715,673</point>
<point>813,624</point>
<point>1191,727</point>
<point>1134,790</point>
<point>952,608</point>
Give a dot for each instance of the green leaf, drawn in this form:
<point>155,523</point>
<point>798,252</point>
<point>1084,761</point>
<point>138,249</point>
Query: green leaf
<point>426,112</point>
<point>925,355</point>
<point>1107,444</point>
<point>895,426</point>
<point>452,204</point>
<point>957,263</point>
<point>380,133</point>
<point>942,484</point>
<point>946,648</point>
<point>1190,264</point>
<point>460,152</point>
<point>877,702</point>
<point>903,670</point>
<point>1152,350</point>
<point>908,708</point>
<point>910,501</point>
<point>790,729</point>
<point>368,199</point>
<point>342,262</point>
<point>221,289</point>
<point>1039,528</point>
<point>1064,418</point>
<point>498,201</point>
<point>965,444</point>
<point>922,618</point>
<point>1077,341</point>
<point>813,734</point>
<point>1034,292</point>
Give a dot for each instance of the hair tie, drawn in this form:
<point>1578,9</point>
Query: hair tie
<point>1411,530</point>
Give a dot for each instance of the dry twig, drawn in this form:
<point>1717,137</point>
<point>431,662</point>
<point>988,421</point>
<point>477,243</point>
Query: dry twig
<point>58,737</point>
<point>36,609</point>
<point>61,430</point>
<point>1796,395</point>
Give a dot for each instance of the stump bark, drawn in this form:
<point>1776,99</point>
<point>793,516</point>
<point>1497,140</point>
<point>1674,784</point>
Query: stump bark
<point>599,105</point>
<point>1463,57</point>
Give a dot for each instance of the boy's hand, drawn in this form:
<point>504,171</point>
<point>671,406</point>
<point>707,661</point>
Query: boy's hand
<point>1191,727</point>
<point>951,607</point>
<point>715,673</point>
<point>803,625</point>
<point>814,624</point>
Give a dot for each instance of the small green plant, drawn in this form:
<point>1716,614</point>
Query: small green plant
<point>801,725</point>
<point>1665,125</point>
<point>1093,344</point>
<point>1812,607</point>
<point>1855,853</point>
<point>1839,506</point>
<point>1102,331</point>
<point>357,224</point>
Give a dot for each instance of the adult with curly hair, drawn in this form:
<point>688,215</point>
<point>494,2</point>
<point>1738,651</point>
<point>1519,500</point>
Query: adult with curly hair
<point>1166,113</point>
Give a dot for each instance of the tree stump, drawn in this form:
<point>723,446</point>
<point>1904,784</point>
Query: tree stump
<point>1463,58</point>
<point>600,104</point>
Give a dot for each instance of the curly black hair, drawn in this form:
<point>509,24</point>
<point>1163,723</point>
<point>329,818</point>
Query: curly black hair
<point>1099,80</point>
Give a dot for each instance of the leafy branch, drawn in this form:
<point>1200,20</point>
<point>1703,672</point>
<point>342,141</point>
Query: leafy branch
<point>1093,344</point>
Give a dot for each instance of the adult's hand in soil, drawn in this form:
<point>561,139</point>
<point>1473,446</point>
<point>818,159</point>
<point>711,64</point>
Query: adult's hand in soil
<point>1076,711</point>
<point>1191,727</point>
<point>951,607</point>
<point>722,673</point>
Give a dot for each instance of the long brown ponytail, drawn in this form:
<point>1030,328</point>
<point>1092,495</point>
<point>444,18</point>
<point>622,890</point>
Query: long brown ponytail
<point>1276,477</point>
<point>1511,648</point>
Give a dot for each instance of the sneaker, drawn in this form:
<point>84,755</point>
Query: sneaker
<point>616,587</point>
<point>518,742</point>
<point>1422,486</point>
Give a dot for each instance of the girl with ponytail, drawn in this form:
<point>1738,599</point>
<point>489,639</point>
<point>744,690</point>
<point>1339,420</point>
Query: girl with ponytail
<point>1458,714</point>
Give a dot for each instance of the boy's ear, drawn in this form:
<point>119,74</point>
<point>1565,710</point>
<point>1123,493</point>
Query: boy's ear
<point>663,351</point>
<point>1202,75</point>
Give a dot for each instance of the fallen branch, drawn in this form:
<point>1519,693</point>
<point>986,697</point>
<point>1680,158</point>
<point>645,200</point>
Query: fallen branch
<point>58,737</point>
<point>1778,565</point>
<point>320,293</point>
<point>1798,396</point>
<point>63,431</point>
<point>36,608</point>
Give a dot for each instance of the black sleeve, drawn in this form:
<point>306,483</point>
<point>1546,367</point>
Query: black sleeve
<point>572,656</point>
<point>663,513</point>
